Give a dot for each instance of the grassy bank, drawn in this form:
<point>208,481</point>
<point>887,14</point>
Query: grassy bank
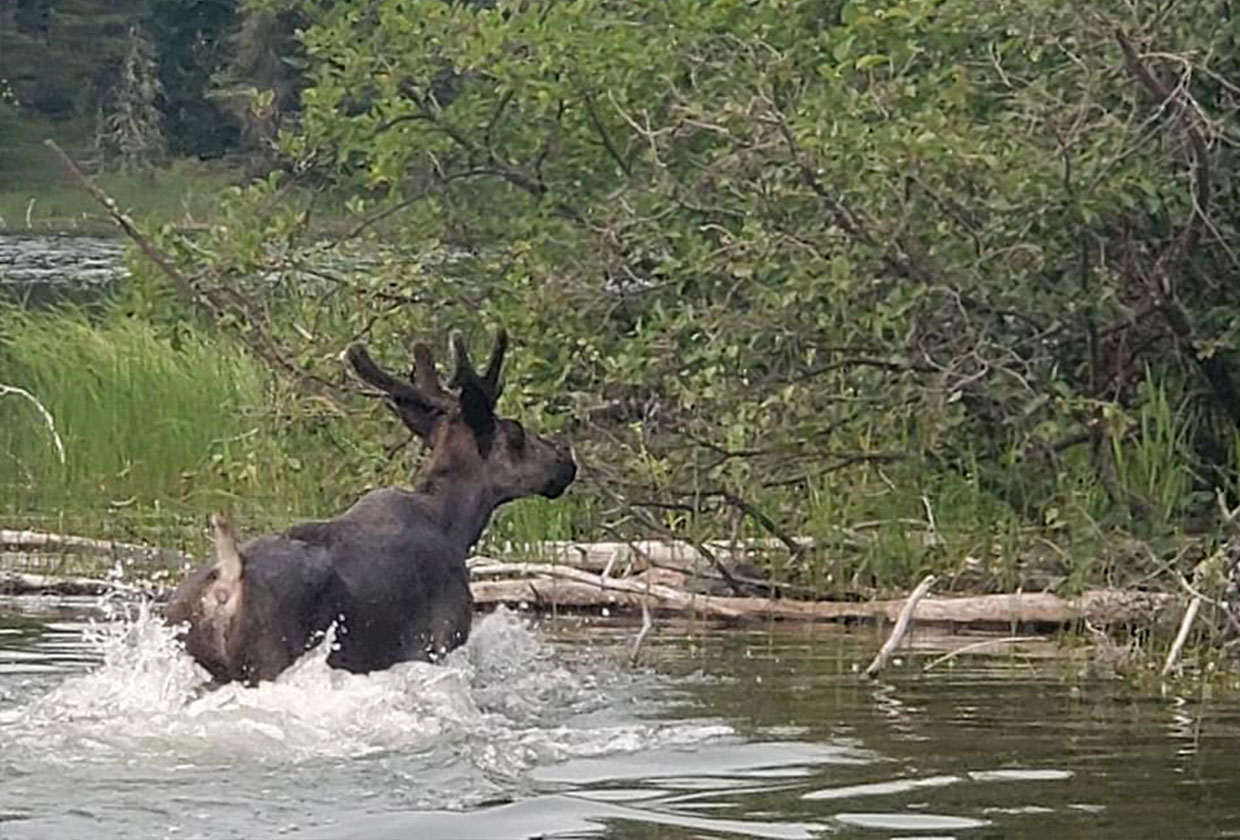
<point>163,422</point>
<point>182,194</point>
<point>162,425</point>
<point>37,196</point>
<point>154,425</point>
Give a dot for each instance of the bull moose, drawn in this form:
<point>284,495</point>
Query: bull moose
<point>390,570</point>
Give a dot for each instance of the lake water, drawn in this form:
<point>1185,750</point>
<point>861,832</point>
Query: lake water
<point>39,267</point>
<point>544,730</point>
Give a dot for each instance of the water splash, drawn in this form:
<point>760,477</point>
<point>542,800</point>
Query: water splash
<point>495,708</point>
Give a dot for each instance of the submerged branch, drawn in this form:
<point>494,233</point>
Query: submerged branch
<point>983,644</point>
<point>1190,615</point>
<point>901,628</point>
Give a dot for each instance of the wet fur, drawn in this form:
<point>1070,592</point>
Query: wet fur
<point>390,571</point>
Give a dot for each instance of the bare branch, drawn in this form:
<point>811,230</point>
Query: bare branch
<point>902,623</point>
<point>43,412</point>
<point>215,302</point>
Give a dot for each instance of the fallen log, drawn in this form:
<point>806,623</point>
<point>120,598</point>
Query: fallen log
<point>589,592</point>
<point>1100,606</point>
<point>635,587</point>
<point>640,554</point>
<point>665,574</point>
<point>45,543</point>
<point>23,583</point>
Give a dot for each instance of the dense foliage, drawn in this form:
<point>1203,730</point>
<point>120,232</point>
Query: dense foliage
<point>940,281</point>
<point>937,283</point>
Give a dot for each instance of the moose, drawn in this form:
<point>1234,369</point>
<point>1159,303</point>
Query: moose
<point>389,571</point>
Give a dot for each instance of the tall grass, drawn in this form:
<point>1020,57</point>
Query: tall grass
<point>161,426</point>
<point>1150,452</point>
<point>154,426</point>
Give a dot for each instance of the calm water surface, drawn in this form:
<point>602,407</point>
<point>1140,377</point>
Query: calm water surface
<point>542,730</point>
<point>39,267</point>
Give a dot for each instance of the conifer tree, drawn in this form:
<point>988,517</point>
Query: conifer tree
<point>131,136</point>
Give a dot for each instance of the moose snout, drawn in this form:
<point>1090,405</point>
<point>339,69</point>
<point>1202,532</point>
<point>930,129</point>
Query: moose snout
<point>564,471</point>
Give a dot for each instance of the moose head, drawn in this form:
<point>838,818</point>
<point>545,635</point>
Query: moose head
<point>469,442</point>
<point>390,571</point>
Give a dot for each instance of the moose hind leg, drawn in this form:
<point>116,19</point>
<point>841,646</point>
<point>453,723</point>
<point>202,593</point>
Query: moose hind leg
<point>450,617</point>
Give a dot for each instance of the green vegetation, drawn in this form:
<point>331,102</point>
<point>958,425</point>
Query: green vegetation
<point>941,285</point>
<point>161,424</point>
<point>891,277</point>
<point>150,422</point>
<point>184,194</point>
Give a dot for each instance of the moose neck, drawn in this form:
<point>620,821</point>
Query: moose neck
<point>460,506</point>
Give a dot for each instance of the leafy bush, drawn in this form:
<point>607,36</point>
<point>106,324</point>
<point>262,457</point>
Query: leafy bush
<point>894,276</point>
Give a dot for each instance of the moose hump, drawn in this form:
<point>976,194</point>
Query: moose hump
<point>390,569</point>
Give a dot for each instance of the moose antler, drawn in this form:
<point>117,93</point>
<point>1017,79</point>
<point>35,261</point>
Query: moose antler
<point>424,374</point>
<point>495,364</point>
<point>489,382</point>
<point>422,397</point>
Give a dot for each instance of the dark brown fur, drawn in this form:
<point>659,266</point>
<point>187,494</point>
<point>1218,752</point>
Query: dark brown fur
<point>391,569</point>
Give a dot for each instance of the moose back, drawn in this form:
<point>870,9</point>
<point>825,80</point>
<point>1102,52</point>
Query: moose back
<point>389,571</point>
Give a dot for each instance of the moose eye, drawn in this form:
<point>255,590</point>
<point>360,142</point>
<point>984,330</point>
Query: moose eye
<point>517,438</point>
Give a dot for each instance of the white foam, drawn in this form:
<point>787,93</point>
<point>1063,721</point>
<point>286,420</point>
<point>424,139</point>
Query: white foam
<point>502,703</point>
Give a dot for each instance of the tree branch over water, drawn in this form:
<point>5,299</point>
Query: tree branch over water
<point>216,302</point>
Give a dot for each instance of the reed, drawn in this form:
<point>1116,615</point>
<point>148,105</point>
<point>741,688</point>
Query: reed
<point>173,421</point>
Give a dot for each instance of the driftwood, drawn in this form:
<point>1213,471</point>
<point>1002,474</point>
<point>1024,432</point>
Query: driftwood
<point>44,543</point>
<point>22,583</point>
<point>628,595</point>
<point>666,577</point>
<point>544,586</point>
<point>902,622</point>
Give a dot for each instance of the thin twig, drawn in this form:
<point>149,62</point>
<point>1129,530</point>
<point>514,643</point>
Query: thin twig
<point>1201,160</point>
<point>985,643</point>
<point>184,284</point>
<point>647,623</point>
<point>372,220</point>
<point>711,557</point>
<point>902,623</point>
<point>1181,637</point>
<point>47,415</point>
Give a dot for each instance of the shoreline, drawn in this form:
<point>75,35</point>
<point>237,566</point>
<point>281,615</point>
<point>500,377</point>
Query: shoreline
<point>660,576</point>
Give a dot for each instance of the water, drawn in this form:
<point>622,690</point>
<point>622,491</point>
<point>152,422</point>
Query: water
<point>44,267</point>
<point>544,730</point>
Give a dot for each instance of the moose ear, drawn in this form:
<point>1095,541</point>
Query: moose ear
<point>478,414</point>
